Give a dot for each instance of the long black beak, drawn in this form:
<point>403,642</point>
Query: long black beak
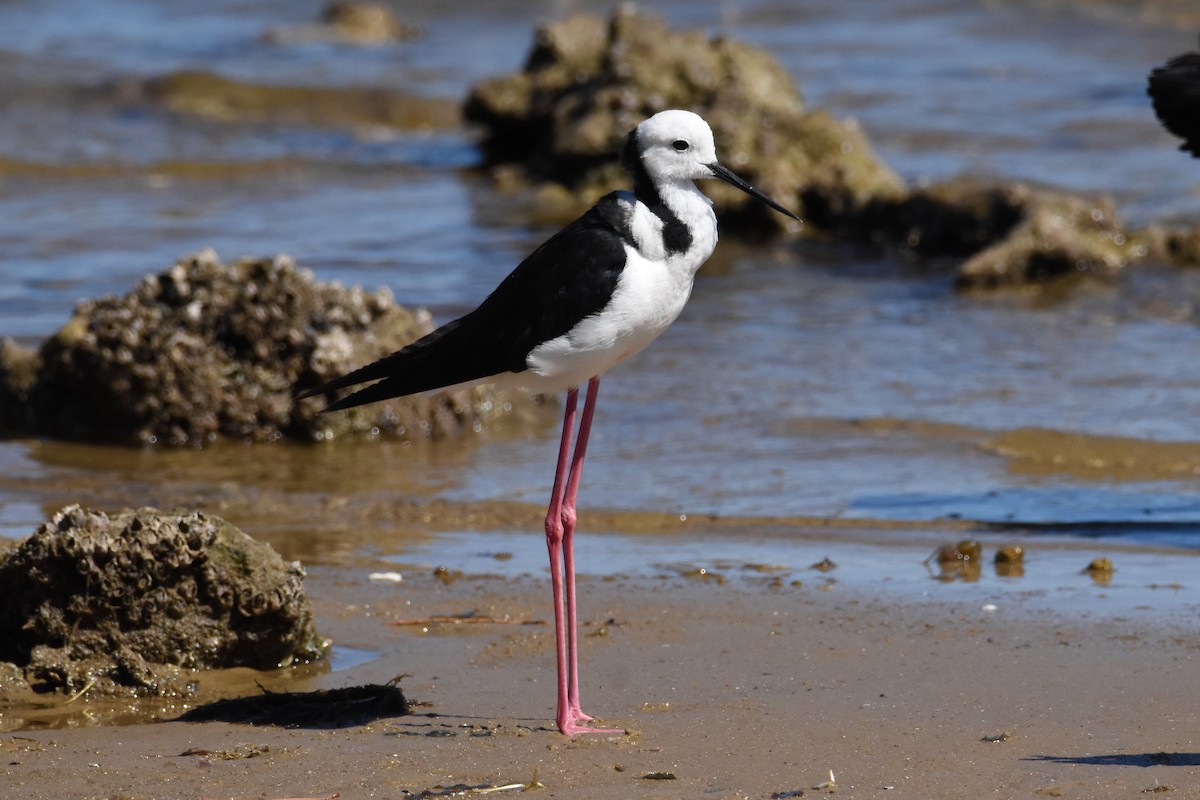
<point>733,180</point>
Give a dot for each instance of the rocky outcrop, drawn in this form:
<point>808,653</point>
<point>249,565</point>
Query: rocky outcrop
<point>207,349</point>
<point>588,81</point>
<point>136,601</point>
<point>559,122</point>
<point>1001,234</point>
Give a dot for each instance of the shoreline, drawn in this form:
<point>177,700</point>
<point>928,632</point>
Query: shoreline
<point>737,689</point>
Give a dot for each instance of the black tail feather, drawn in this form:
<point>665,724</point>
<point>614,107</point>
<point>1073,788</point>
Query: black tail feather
<point>373,371</point>
<point>388,365</point>
<point>447,357</point>
<point>384,390</point>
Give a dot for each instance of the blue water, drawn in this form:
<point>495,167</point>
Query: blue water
<point>751,405</point>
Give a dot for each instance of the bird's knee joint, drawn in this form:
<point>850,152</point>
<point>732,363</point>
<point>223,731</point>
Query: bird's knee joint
<point>554,530</point>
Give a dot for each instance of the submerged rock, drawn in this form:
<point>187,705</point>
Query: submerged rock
<point>18,372</point>
<point>347,22</point>
<point>365,23</point>
<point>207,349</point>
<point>139,599</point>
<point>1004,234</point>
<point>588,81</point>
<point>1056,238</point>
<point>1181,246</point>
<point>1101,570</point>
<point>205,94</point>
<point>959,561</point>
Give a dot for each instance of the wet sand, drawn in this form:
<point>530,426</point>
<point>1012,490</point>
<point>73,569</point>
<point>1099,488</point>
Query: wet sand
<point>752,687</point>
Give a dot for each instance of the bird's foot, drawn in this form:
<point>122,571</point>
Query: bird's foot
<point>573,724</point>
<point>572,729</point>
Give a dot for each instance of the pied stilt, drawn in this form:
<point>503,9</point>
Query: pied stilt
<point>591,296</point>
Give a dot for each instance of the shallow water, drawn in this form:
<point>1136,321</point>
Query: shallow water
<point>1152,586</point>
<point>803,380</point>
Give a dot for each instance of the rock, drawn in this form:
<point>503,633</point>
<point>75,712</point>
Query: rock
<point>12,679</point>
<point>1006,234</point>
<point>207,349</point>
<point>352,23</point>
<point>365,23</point>
<point>18,372</point>
<point>1183,247</point>
<point>558,123</point>
<point>136,601</point>
<point>587,82</point>
<point>955,218</point>
<point>1059,240</point>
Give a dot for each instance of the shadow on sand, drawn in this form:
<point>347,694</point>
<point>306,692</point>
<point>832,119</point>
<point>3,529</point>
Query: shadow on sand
<point>1127,759</point>
<point>330,708</point>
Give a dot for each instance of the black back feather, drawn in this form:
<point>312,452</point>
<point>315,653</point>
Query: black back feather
<point>569,277</point>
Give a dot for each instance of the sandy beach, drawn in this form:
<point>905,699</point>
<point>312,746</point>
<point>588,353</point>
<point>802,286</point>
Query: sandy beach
<point>835,395</point>
<point>747,687</point>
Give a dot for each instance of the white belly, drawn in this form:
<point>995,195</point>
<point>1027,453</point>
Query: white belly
<point>649,296</point>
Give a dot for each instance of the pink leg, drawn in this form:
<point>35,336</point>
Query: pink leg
<point>554,537</point>
<point>560,533</point>
<point>569,515</point>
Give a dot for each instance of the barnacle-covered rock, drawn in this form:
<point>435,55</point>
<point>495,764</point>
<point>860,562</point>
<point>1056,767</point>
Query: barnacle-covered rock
<point>137,600</point>
<point>588,81</point>
<point>207,349</point>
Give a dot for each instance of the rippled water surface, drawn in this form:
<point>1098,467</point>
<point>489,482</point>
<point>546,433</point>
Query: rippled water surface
<point>804,379</point>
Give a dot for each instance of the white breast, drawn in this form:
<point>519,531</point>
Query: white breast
<point>648,298</point>
<point>650,294</point>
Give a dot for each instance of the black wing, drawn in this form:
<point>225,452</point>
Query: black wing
<point>1175,90</point>
<point>567,279</point>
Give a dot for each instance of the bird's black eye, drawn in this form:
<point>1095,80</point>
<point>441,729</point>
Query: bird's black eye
<point>680,145</point>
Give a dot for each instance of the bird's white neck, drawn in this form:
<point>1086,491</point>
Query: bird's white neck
<point>686,201</point>
<point>675,223</point>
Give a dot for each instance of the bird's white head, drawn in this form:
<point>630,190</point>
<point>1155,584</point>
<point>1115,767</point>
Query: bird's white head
<point>673,147</point>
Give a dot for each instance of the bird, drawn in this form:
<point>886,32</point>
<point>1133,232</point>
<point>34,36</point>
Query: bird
<point>591,296</point>
<point>1175,92</point>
